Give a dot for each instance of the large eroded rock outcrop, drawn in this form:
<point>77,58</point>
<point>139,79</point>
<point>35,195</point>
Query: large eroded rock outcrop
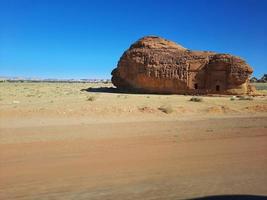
<point>155,65</point>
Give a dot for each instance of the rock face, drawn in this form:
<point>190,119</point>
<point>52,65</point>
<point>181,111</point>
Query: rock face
<point>155,65</point>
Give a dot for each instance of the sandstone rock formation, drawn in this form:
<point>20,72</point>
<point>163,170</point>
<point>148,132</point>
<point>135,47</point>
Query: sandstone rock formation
<point>155,65</point>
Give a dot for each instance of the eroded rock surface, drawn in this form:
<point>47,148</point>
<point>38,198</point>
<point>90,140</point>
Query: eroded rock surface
<point>155,65</point>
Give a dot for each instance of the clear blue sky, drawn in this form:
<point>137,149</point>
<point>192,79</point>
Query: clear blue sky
<point>85,39</point>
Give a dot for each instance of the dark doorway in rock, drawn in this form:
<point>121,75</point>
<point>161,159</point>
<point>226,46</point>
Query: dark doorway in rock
<point>196,86</point>
<point>217,88</point>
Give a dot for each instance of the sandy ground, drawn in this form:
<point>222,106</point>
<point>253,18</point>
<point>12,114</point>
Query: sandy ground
<point>59,142</point>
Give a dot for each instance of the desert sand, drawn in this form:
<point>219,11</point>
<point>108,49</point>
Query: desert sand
<point>59,141</point>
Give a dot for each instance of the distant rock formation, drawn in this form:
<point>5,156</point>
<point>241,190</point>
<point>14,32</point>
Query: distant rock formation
<point>156,65</point>
<point>263,79</point>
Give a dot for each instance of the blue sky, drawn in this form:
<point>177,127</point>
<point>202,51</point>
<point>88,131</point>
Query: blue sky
<point>85,39</point>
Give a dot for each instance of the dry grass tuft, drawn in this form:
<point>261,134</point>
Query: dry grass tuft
<point>249,98</point>
<point>122,96</point>
<point>196,99</point>
<point>146,109</point>
<point>166,109</point>
<point>91,98</point>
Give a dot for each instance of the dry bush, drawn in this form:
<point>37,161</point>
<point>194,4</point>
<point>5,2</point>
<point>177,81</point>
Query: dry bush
<point>91,98</point>
<point>196,99</point>
<point>233,98</point>
<point>249,98</point>
<point>122,96</point>
<point>146,109</point>
<point>166,109</point>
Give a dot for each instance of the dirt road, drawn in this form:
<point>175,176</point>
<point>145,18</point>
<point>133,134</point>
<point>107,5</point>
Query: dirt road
<point>134,160</point>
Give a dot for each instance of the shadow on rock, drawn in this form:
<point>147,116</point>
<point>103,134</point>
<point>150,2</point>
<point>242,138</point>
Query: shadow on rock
<point>232,197</point>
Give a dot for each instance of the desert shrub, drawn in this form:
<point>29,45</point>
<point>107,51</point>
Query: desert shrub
<point>146,109</point>
<point>249,98</point>
<point>30,95</point>
<point>166,109</point>
<point>91,98</point>
<point>122,96</point>
<point>209,130</point>
<point>233,98</point>
<point>196,99</point>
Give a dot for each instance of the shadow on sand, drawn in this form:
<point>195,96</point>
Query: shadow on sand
<point>232,197</point>
<point>116,90</point>
<point>103,90</point>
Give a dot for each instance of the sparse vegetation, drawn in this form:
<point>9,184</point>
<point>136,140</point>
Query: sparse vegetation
<point>146,109</point>
<point>209,130</point>
<point>30,95</point>
<point>122,96</point>
<point>91,98</point>
<point>249,98</point>
<point>233,98</point>
<point>260,86</point>
<point>166,109</point>
<point>196,99</point>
